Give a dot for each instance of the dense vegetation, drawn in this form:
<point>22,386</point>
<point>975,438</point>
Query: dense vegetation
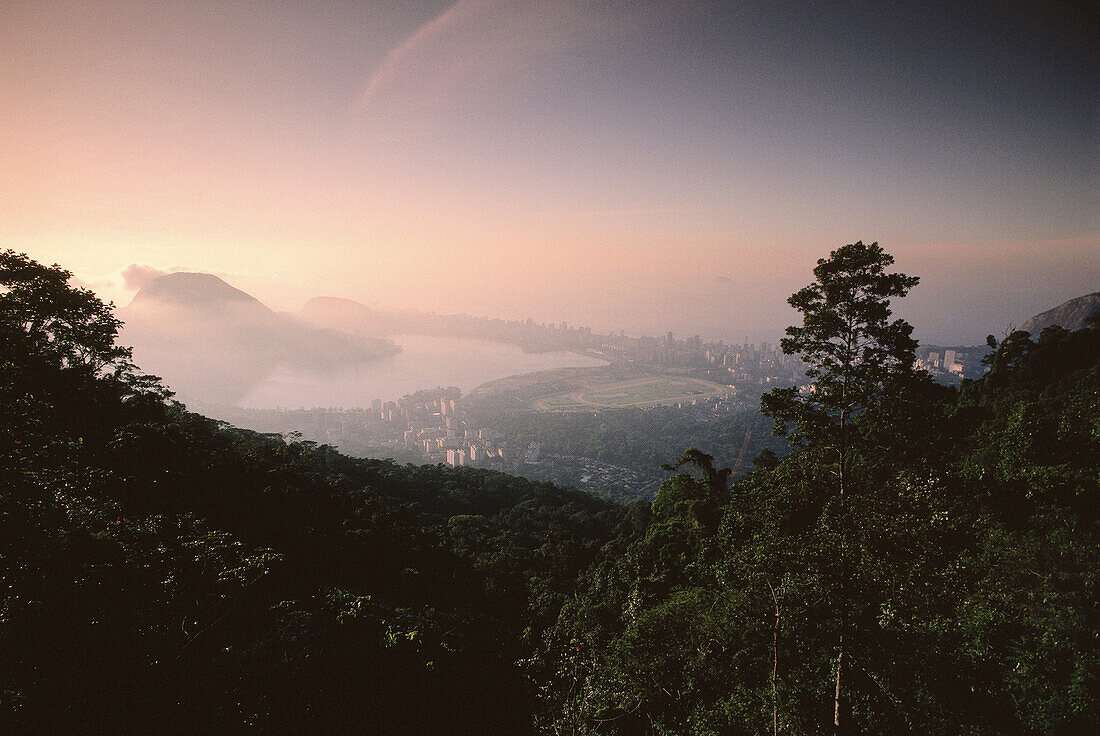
<point>640,439</point>
<point>937,548</point>
<point>165,573</point>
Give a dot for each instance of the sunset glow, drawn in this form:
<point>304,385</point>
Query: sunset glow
<point>640,166</point>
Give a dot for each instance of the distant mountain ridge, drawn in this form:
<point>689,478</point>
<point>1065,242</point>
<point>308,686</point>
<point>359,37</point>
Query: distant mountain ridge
<point>1070,315</point>
<point>352,317</point>
<point>355,318</point>
<point>213,342</point>
<point>196,290</point>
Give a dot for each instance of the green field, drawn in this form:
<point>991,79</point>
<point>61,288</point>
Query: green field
<point>640,392</point>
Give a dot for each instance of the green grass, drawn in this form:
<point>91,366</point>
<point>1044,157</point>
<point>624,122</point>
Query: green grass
<point>650,391</point>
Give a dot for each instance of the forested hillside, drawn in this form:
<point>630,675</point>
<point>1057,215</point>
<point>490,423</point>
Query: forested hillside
<point>925,561</point>
<point>163,573</point>
<point>640,439</point>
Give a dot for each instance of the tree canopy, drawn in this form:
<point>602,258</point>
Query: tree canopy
<point>163,572</point>
<point>68,325</point>
<point>852,350</point>
<point>956,578</point>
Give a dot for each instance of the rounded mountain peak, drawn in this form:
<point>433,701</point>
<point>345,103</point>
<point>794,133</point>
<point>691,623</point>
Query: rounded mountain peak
<point>195,289</point>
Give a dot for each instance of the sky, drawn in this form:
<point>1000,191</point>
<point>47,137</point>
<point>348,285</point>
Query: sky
<point>647,166</point>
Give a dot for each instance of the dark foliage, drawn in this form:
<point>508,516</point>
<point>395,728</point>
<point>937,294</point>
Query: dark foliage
<point>966,587</point>
<point>164,573</point>
<point>640,439</point>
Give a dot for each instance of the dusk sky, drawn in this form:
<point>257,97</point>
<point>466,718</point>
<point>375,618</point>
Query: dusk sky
<point>638,165</point>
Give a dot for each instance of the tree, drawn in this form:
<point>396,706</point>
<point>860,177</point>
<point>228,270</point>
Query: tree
<point>163,572</point>
<point>46,323</point>
<point>852,349</point>
<point>68,324</point>
<point>857,361</point>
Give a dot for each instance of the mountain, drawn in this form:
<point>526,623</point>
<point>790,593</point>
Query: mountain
<point>193,291</point>
<point>212,342</point>
<point>1071,315</point>
<point>354,318</point>
<point>351,317</point>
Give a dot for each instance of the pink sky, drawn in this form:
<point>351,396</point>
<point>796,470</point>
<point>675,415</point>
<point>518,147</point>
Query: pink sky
<point>601,163</point>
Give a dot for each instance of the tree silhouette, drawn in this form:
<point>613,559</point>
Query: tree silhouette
<point>857,358</point>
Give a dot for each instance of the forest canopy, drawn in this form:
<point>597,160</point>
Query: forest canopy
<point>166,573</point>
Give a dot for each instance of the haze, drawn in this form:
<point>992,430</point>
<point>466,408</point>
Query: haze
<point>622,165</point>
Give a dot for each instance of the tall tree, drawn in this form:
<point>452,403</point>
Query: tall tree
<point>53,319</point>
<point>857,359</point>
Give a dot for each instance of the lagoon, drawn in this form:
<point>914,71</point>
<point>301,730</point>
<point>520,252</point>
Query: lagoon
<point>423,363</point>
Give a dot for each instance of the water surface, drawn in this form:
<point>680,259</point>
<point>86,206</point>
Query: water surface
<point>424,362</point>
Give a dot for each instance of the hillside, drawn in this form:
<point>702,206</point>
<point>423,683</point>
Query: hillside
<point>350,317</point>
<point>212,342</point>
<point>1071,315</point>
<point>165,573</point>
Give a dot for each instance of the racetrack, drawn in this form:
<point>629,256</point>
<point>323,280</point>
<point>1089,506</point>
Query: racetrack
<point>639,392</point>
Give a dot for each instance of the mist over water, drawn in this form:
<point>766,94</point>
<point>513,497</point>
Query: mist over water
<point>424,362</point>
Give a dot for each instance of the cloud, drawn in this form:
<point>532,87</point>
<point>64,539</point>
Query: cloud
<point>138,275</point>
<point>475,41</point>
<point>401,57</point>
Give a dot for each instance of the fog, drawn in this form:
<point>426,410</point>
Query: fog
<point>424,362</point>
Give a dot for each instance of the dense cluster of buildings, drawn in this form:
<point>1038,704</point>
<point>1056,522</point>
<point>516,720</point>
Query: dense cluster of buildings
<point>433,425</point>
<point>948,362</point>
<point>950,365</point>
<point>731,364</point>
<point>743,365</point>
<point>748,365</point>
<point>763,363</point>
